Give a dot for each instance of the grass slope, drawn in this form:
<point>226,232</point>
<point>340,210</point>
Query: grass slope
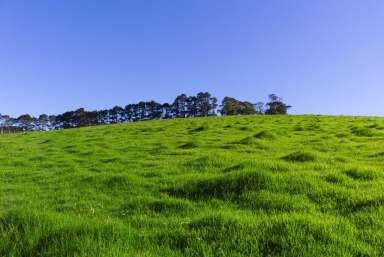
<point>234,186</point>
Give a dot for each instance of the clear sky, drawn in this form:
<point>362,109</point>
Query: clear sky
<point>321,56</point>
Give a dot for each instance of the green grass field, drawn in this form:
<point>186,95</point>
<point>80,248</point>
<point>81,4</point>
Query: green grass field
<point>233,186</point>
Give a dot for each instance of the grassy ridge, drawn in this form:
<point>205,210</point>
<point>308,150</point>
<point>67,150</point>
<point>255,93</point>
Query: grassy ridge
<point>233,186</point>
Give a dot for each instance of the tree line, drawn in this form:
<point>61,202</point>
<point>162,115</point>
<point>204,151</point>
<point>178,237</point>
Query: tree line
<point>201,105</point>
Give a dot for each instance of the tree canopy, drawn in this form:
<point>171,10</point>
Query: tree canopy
<point>201,105</point>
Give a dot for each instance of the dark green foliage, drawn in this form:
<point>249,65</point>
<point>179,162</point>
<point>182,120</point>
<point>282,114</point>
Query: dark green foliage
<point>201,105</point>
<point>231,106</point>
<point>276,105</point>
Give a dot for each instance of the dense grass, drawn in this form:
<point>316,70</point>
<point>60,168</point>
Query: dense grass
<point>234,186</point>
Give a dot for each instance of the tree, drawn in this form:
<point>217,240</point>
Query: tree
<point>117,114</point>
<point>213,106</point>
<point>79,118</point>
<point>25,119</point>
<point>129,112</point>
<point>276,105</point>
<point>43,122</point>
<point>66,120</point>
<point>25,122</point>
<point>141,112</point>
<point>205,104</point>
<point>167,111</point>
<point>54,123</point>
<point>259,107</point>
<point>154,110</point>
<point>247,108</point>
<point>191,109</point>
<point>231,106</point>
<point>103,117</point>
<point>91,119</point>
<point>180,106</point>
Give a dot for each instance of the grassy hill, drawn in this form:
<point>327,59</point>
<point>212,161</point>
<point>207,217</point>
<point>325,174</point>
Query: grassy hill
<point>234,186</point>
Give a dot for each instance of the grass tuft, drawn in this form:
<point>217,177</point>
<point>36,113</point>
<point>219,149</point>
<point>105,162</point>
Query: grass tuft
<point>189,145</point>
<point>300,156</point>
<point>362,132</point>
<point>224,186</point>
<point>360,174</point>
<point>265,135</point>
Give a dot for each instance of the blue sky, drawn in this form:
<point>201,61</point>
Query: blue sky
<point>324,56</point>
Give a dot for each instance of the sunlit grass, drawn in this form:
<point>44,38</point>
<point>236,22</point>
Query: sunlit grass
<point>233,186</point>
